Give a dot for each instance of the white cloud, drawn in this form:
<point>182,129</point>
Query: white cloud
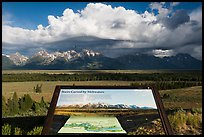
<point>197,15</point>
<point>15,35</point>
<point>197,52</point>
<point>162,10</point>
<point>162,53</point>
<point>96,20</point>
<point>174,3</point>
<point>143,30</point>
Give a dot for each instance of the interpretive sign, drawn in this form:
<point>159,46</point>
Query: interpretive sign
<point>105,110</point>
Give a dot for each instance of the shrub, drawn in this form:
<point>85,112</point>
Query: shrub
<point>166,96</point>
<point>6,129</point>
<point>196,110</point>
<point>37,89</point>
<point>180,120</point>
<point>194,120</point>
<point>18,131</point>
<point>35,131</point>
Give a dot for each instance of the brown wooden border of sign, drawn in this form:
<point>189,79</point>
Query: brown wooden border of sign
<point>48,122</point>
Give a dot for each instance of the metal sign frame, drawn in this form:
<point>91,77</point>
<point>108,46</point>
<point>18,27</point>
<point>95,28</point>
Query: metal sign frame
<point>49,120</point>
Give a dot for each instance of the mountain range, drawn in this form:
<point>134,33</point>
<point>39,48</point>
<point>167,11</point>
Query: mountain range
<point>91,60</point>
<point>104,105</point>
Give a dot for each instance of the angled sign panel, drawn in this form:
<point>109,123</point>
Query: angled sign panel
<point>104,110</point>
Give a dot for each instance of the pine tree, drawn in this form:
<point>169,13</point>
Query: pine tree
<point>4,107</point>
<point>42,102</point>
<point>15,103</point>
<point>28,101</point>
<point>22,104</point>
<point>36,107</point>
<point>10,106</point>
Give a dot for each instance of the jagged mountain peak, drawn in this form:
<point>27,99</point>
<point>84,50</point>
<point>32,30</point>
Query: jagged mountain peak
<point>70,55</point>
<point>6,55</point>
<point>89,59</point>
<point>18,59</point>
<point>84,52</point>
<point>42,53</point>
<point>16,54</point>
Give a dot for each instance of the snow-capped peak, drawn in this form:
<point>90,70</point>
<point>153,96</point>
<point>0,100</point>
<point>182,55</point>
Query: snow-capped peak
<point>89,52</point>
<point>70,55</point>
<point>42,53</point>
<point>6,55</point>
<point>18,59</point>
<point>47,58</point>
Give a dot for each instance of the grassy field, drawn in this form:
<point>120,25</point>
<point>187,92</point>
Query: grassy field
<point>48,88</point>
<point>185,98</point>
<point>91,71</point>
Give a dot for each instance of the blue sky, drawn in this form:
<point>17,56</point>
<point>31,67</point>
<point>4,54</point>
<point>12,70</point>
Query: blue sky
<point>124,27</point>
<point>139,97</point>
<point>30,14</point>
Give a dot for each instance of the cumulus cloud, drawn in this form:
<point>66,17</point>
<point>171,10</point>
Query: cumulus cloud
<point>196,15</point>
<point>162,10</point>
<point>166,15</point>
<point>179,17</point>
<point>103,27</point>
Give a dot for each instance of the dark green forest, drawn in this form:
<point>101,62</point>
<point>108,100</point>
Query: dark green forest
<point>164,85</point>
<point>173,76</point>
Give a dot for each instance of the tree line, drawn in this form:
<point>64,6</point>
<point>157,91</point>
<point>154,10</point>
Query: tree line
<point>173,76</point>
<point>164,85</point>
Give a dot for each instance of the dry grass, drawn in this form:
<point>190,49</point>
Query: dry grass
<point>88,71</point>
<point>186,123</point>
<point>185,98</point>
<point>48,88</point>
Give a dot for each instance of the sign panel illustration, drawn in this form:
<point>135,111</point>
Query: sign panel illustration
<point>104,111</point>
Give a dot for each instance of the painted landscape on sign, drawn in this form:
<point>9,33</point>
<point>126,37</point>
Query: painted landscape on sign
<point>106,98</point>
<point>103,110</point>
